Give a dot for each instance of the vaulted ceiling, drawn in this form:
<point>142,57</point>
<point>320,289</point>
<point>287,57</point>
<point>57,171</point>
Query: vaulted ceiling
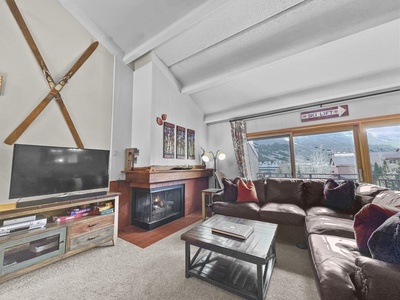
<point>240,58</point>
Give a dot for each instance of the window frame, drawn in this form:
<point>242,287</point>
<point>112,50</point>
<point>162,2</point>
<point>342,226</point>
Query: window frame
<point>357,126</point>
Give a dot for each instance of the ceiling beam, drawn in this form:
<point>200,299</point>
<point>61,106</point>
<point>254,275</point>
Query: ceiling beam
<point>176,28</point>
<point>167,73</point>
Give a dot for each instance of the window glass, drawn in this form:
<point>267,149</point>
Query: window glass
<point>273,156</point>
<point>384,154</point>
<point>325,155</point>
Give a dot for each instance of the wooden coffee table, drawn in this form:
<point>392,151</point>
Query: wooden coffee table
<point>243,267</point>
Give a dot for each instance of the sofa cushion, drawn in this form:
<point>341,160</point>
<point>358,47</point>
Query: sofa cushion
<point>314,191</point>
<point>282,213</point>
<point>285,191</point>
<point>365,193</point>
<point>334,262</point>
<point>375,279</point>
<point>367,220</point>
<point>247,210</point>
<point>339,196</point>
<point>260,189</point>
<point>230,189</point>
<point>388,198</point>
<point>329,225</point>
<point>246,192</point>
<point>384,242</point>
<point>326,211</point>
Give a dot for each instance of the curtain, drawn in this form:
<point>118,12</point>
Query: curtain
<point>239,139</point>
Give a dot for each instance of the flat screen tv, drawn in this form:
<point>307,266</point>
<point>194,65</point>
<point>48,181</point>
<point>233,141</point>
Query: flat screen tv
<point>44,170</point>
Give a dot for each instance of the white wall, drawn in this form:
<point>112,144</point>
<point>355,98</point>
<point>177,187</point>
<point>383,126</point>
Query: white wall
<point>220,135</point>
<point>373,106</point>
<point>154,94</point>
<point>122,118</point>
<point>87,96</point>
<point>141,113</point>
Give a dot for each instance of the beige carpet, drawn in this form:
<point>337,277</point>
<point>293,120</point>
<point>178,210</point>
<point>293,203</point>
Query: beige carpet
<point>156,272</point>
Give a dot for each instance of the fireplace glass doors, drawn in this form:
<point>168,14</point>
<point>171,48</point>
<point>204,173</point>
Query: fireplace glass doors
<point>152,208</point>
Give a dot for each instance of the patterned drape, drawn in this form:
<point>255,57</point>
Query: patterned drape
<point>239,139</point>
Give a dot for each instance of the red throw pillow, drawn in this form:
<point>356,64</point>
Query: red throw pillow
<point>367,220</point>
<point>246,192</point>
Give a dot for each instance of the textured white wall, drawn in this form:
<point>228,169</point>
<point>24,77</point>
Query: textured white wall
<point>88,95</point>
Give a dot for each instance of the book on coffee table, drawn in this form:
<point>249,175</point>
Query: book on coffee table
<point>240,231</point>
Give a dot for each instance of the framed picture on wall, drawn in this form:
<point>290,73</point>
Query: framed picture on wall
<point>180,142</point>
<point>190,144</point>
<point>169,140</point>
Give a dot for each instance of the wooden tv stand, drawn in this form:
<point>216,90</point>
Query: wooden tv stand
<point>30,249</point>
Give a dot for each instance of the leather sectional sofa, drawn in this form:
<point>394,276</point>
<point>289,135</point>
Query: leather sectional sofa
<point>341,270</point>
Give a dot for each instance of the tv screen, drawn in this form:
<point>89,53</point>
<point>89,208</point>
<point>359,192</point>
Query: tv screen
<point>43,170</point>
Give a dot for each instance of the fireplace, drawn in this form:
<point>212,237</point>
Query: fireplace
<point>154,207</point>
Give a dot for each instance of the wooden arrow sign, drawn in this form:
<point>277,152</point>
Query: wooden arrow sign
<point>325,113</point>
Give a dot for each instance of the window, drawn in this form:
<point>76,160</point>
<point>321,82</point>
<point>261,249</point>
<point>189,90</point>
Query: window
<point>273,157</point>
<point>325,155</point>
<point>384,155</point>
<point>365,150</point>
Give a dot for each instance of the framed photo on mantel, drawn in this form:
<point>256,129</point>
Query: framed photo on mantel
<point>190,144</point>
<point>169,140</point>
<point>180,142</point>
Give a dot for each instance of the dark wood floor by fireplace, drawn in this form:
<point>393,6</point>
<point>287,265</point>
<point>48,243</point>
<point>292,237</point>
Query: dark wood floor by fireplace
<point>144,238</point>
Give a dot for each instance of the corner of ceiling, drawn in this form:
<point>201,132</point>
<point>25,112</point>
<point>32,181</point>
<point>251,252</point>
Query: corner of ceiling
<point>93,28</point>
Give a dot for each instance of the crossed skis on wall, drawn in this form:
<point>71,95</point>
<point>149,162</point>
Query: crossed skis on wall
<point>55,89</point>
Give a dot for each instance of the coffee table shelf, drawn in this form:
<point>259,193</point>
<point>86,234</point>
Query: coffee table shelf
<point>241,267</point>
<point>237,276</point>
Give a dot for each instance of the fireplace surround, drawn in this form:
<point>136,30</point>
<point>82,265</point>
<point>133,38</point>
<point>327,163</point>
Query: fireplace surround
<point>194,180</point>
<point>155,207</point>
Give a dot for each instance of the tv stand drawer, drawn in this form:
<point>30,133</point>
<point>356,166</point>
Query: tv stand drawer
<point>90,224</point>
<point>92,239</point>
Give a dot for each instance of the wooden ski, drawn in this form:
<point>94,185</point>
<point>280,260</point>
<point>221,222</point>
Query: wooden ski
<point>28,37</point>
<point>11,139</point>
<point>31,42</point>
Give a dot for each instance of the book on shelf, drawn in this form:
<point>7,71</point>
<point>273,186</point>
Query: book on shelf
<point>105,212</point>
<point>240,231</point>
<point>104,206</point>
<point>78,211</point>
<point>107,206</point>
<point>66,218</point>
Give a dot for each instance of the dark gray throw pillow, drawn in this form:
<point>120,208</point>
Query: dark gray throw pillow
<point>384,243</point>
<point>230,189</point>
<point>339,196</point>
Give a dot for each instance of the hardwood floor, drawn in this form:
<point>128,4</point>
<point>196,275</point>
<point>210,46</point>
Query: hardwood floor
<point>144,238</point>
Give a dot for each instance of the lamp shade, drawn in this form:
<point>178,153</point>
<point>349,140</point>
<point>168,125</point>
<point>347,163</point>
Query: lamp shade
<point>221,155</point>
<point>206,157</point>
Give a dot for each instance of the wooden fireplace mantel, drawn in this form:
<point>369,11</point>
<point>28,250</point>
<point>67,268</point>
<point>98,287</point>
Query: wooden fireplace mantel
<point>147,177</point>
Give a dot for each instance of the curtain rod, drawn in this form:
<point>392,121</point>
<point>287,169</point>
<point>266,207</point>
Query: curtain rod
<point>319,103</point>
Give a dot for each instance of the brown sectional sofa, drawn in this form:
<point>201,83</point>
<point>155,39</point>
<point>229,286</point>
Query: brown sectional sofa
<point>341,271</point>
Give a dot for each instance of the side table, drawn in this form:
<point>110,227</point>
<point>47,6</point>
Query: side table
<point>208,193</point>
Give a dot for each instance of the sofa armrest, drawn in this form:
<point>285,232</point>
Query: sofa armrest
<point>375,279</point>
<point>218,196</point>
